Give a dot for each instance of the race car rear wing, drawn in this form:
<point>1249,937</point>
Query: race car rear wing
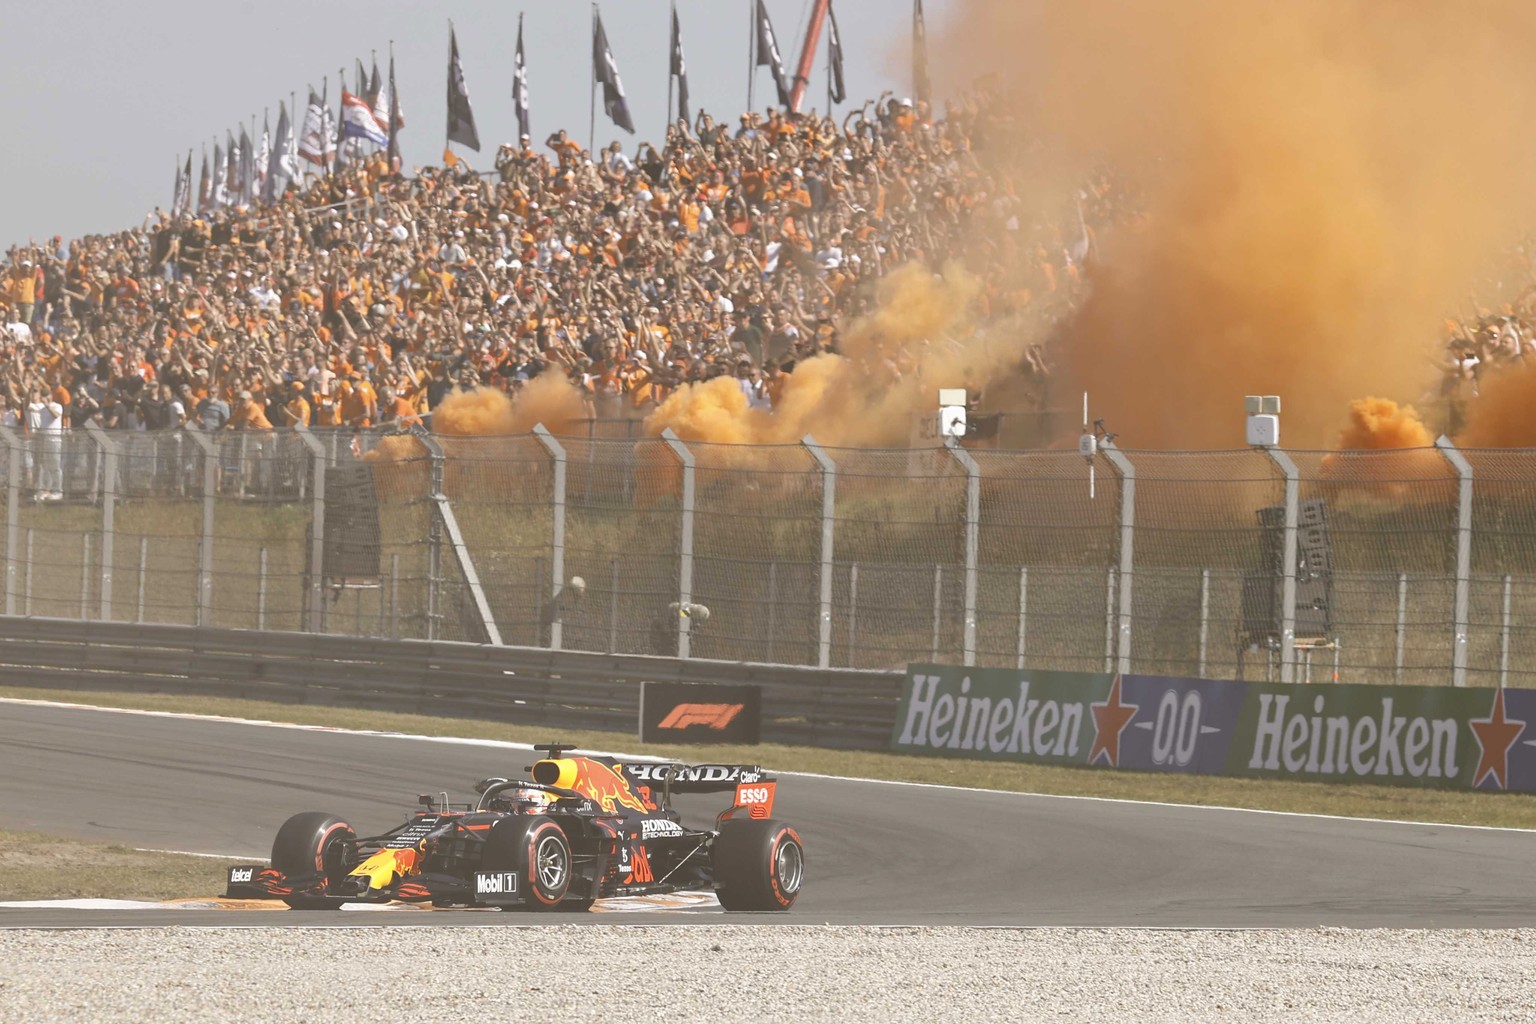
<point>693,778</point>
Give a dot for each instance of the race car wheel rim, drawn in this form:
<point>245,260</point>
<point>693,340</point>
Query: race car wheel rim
<point>789,865</point>
<point>551,863</point>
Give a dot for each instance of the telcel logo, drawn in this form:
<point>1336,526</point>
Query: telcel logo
<point>495,883</point>
<point>241,874</point>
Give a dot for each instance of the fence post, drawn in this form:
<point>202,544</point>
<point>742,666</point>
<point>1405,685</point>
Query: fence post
<point>14,461</point>
<point>317,528</point>
<point>613,604</point>
<point>853,611</point>
<point>446,524</point>
<point>1504,636</point>
<point>1402,624</point>
<point>1463,470</point>
<point>938,604</point>
<point>261,589</point>
<point>1288,563</point>
<point>143,568</point>
<point>108,449</point>
<point>1109,619</point>
<point>828,470</point>
<point>1205,617</point>
<point>557,555</point>
<point>85,576</point>
<point>972,539</point>
<point>685,556</point>
<point>1023,609</point>
<point>1127,473</point>
<point>27,607</point>
<point>210,452</point>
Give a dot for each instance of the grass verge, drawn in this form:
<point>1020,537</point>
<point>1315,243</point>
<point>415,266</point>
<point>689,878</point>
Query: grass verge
<point>43,867</point>
<point>1509,810</point>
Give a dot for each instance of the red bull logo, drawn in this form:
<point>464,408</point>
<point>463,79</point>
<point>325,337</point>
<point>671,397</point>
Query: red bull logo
<point>592,779</point>
<point>385,866</point>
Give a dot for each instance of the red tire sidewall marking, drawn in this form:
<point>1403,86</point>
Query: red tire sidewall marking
<point>325,840</point>
<point>535,883</point>
<point>773,865</point>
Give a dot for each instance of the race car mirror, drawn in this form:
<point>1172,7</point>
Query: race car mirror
<point>700,713</point>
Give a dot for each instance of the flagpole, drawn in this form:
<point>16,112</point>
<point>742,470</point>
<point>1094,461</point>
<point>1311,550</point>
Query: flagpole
<point>392,154</point>
<point>592,128</point>
<point>448,124</point>
<point>751,51</point>
<point>671,53</point>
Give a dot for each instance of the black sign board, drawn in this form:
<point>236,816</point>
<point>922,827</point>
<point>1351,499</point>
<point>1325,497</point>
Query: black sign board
<point>700,713</point>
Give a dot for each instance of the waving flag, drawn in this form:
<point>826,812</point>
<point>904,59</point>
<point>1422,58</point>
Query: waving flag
<point>281,167</point>
<point>520,82</point>
<point>204,187</point>
<point>922,88</point>
<point>263,161</point>
<point>220,179</point>
<point>679,67</point>
<point>461,116</point>
<point>317,142</point>
<point>768,53</point>
<point>396,121</point>
<point>835,88</point>
<point>358,122</point>
<point>607,74</point>
<point>181,194</point>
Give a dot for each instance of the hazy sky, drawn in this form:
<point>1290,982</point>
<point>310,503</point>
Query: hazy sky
<point>106,98</point>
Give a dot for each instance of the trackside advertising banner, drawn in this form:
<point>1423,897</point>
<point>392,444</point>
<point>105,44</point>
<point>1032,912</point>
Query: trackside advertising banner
<point>1405,735</point>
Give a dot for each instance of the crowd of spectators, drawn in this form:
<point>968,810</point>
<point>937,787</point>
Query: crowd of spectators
<point>362,297</point>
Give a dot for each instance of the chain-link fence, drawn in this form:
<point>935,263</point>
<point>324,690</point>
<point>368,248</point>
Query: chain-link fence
<point>1387,567</point>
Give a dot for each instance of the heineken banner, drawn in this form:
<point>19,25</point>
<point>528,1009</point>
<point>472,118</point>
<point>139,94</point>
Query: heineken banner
<point>1407,735</point>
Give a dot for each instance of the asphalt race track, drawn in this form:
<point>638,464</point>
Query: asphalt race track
<point>876,853</point>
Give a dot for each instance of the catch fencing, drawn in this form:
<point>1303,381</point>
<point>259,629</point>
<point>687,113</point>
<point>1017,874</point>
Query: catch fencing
<point>1414,566</point>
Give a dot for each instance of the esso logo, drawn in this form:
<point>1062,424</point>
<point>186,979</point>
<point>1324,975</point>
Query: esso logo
<point>749,795</point>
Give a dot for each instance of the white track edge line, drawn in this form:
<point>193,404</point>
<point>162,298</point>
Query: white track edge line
<point>513,745</point>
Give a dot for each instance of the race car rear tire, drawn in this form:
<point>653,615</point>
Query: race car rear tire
<point>536,848</point>
<point>759,865</point>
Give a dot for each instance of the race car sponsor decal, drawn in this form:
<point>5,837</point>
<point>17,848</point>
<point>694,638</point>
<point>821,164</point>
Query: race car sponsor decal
<point>415,832</point>
<point>682,775</point>
<point>495,883</point>
<point>239,876</point>
<point>757,798</point>
<point>651,828</point>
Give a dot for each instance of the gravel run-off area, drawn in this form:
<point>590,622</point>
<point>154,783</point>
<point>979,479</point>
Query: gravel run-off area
<point>745,973</point>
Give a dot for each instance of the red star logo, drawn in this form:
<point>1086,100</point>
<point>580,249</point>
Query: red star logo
<point>1109,720</point>
<point>1495,735</point>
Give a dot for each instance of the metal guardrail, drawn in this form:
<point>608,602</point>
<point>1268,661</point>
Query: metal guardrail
<point>834,708</point>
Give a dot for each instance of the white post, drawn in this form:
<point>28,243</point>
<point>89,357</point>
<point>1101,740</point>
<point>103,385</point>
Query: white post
<point>1288,563</point>
<point>1205,616</point>
<point>1023,611</point>
<point>1504,636</point>
<point>12,516</point>
<point>828,470</point>
<point>685,557</point>
<point>557,554</point>
<point>972,541</point>
<point>1127,473</point>
<point>143,568</point>
<point>1463,470</point>
<point>1402,625</point>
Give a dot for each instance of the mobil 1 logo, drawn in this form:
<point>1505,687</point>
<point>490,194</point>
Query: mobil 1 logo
<point>494,886</point>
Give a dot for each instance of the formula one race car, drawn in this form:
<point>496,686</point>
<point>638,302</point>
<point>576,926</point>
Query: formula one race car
<point>582,828</point>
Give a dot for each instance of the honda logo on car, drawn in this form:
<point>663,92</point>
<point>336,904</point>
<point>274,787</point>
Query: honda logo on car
<point>495,883</point>
<point>960,721</point>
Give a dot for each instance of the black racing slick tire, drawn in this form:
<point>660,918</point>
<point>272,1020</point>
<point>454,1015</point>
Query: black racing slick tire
<point>759,865</point>
<point>537,849</point>
<point>310,842</point>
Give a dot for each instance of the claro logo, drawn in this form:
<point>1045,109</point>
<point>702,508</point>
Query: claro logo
<point>716,716</point>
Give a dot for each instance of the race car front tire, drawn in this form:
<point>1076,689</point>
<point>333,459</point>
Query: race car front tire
<point>758,865</point>
<point>310,842</point>
<point>536,848</point>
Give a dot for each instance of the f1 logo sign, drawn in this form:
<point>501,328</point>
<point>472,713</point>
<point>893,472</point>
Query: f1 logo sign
<point>716,716</point>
